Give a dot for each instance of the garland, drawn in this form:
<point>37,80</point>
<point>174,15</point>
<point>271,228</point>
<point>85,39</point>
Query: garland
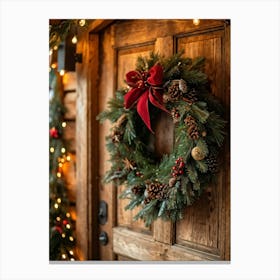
<point>164,187</point>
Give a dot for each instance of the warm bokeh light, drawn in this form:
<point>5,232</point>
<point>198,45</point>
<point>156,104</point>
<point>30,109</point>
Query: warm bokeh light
<point>196,21</point>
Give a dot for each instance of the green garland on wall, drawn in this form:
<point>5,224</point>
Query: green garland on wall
<point>164,187</point>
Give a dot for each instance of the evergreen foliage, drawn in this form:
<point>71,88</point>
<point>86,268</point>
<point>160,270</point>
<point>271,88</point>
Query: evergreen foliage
<point>165,187</point>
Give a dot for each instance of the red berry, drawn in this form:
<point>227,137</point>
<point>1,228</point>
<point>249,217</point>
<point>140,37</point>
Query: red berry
<point>181,172</point>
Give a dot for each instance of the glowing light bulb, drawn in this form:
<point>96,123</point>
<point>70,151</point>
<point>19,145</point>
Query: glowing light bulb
<point>62,160</point>
<point>82,22</point>
<point>61,72</point>
<point>58,200</point>
<point>51,149</point>
<point>71,238</point>
<point>58,219</point>
<point>53,66</point>
<point>63,256</point>
<point>60,164</point>
<point>196,21</point>
<point>63,235</point>
<point>63,150</point>
<point>71,252</point>
<point>68,215</point>
<point>58,174</point>
<point>63,124</point>
<point>55,48</point>
<point>74,39</point>
<point>55,205</point>
<point>68,158</point>
<point>72,259</point>
<point>68,226</point>
<point>50,52</point>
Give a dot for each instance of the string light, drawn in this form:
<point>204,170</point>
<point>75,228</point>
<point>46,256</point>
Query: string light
<point>82,22</point>
<point>63,235</point>
<point>63,150</point>
<point>58,174</point>
<point>53,66</point>
<point>196,21</point>
<point>63,124</point>
<point>68,226</point>
<point>51,149</point>
<point>63,256</point>
<point>61,72</point>
<point>60,164</point>
<point>68,158</point>
<point>72,259</point>
<point>55,47</point>
<point>58,219</point>
<point>74,39</point>
<point>71,252</point>
<point>55,205</point>
<point>68,215</point>
<point>50,52</point>
<point>59,200</point>
<point>71,238</point>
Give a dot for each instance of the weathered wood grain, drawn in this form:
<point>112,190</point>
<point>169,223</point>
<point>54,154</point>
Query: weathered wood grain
<point>139,246</point>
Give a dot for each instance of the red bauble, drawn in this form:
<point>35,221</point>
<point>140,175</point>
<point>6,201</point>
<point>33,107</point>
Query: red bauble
<point>54,132</point>
<point>65,222</point>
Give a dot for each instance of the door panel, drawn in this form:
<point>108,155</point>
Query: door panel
<point>201,228</point>
<point>204,232</point>
<point>126,59</point>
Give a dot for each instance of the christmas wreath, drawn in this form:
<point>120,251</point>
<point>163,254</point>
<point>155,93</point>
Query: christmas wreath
<point>164,187</point>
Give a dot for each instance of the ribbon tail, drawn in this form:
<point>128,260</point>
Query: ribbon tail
<point>143,109</point>
<point>156,99</point>
<point>131,97</point>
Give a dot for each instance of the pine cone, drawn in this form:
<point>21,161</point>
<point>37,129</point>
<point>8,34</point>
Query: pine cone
<point>175,115</point>
<point>191,96</point>
<point>192,127</point>
<point>137,190</point>
<point>189,120</point>
<point>174,92</point>
<point>193,132</point>
<point>212,164</point>
<point>155,190</point>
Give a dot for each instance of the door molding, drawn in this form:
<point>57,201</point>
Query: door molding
<point>87,143</point>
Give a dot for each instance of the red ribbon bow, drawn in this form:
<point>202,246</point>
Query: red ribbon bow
<point>145,86</point>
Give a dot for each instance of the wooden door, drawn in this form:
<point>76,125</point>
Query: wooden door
<point>111,51</point>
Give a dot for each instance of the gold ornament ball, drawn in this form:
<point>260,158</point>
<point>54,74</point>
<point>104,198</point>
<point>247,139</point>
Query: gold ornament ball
<point>197,153</point>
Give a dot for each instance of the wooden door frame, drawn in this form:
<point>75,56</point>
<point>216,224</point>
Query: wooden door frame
<point>87,228</point>
<point>87,144</point>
